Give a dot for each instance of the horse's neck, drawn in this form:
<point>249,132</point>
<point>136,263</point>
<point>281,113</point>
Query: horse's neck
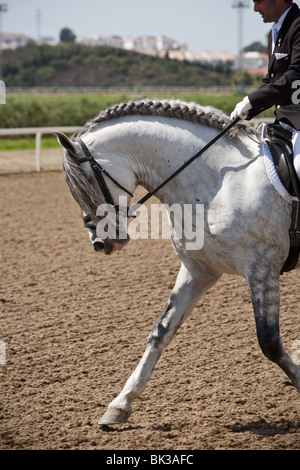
<point>146,151</point>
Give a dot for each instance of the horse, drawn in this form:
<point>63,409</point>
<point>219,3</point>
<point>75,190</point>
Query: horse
<point>246,219</point>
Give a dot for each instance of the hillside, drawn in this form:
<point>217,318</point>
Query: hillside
<point>68,64</point>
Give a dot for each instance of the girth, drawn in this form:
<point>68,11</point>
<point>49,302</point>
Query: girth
<point>279,141</point>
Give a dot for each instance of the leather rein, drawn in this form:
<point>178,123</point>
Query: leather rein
<point>99,171</point>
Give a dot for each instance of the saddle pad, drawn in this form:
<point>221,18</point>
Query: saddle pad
<point>271,170</point>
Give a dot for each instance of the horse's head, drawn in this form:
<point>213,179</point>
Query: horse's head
<point>105,220</point>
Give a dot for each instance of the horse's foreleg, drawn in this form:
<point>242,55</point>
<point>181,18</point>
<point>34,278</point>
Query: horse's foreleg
<point>183,298</point>
<point>264,289</point>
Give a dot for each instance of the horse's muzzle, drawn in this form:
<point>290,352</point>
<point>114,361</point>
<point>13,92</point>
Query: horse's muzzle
<point>105,245</point>
<point>108,246</point>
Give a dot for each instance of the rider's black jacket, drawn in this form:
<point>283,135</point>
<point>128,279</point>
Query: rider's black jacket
<point>281,85</point>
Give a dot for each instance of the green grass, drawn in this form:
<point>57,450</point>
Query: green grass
<point>8,144</point>
<point>76,110</point>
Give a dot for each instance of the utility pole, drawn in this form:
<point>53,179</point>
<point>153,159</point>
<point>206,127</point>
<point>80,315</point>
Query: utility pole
<point>3,8</point>
<point>240,5</point>
<point>38,25</point>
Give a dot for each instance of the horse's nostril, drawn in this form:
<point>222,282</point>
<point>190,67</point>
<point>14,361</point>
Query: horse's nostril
<point>98,246</point>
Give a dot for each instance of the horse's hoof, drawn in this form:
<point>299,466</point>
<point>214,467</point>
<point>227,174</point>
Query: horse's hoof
<point>114,416</point>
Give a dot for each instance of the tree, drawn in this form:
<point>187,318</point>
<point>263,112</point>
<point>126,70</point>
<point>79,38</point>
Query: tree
<point>256,46</point>
<point>67,35</point>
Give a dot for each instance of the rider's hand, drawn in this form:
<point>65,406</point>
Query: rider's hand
<point>241,109</point>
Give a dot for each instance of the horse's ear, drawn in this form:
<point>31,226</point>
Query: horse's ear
<point>65,142</point>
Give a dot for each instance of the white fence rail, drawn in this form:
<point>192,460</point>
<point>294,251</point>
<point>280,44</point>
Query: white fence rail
<point>39,131</point>
<point>122,90</point>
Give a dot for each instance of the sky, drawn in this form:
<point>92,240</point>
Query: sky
<point>201,24</point>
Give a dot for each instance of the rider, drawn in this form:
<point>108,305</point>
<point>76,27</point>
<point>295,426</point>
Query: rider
<point>281,84</point>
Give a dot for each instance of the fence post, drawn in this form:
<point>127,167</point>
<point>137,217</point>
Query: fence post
<point>2,353</point>
<point>2,92</point>
<point>38,151</point>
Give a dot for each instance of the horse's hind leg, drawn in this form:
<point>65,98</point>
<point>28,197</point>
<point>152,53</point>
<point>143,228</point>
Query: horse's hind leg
<point>263,283</point>
<point>183,298</point>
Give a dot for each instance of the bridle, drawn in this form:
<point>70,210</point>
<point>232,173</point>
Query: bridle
<point>99,171</point>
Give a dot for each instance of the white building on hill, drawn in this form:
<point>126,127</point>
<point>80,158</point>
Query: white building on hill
<point>12,41</point>
<point>145,44</point>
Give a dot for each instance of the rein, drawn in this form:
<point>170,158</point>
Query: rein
<point>188,162</point>
<point>98,171</point>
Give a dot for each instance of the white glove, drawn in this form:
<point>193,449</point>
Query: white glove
<point>241,109</point>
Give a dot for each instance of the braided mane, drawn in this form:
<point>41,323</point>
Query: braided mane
<point>205,115</point>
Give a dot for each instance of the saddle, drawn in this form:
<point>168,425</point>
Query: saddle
<point>280,144</point>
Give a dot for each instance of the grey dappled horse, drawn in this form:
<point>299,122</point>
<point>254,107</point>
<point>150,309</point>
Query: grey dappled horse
<point>246,220</point>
